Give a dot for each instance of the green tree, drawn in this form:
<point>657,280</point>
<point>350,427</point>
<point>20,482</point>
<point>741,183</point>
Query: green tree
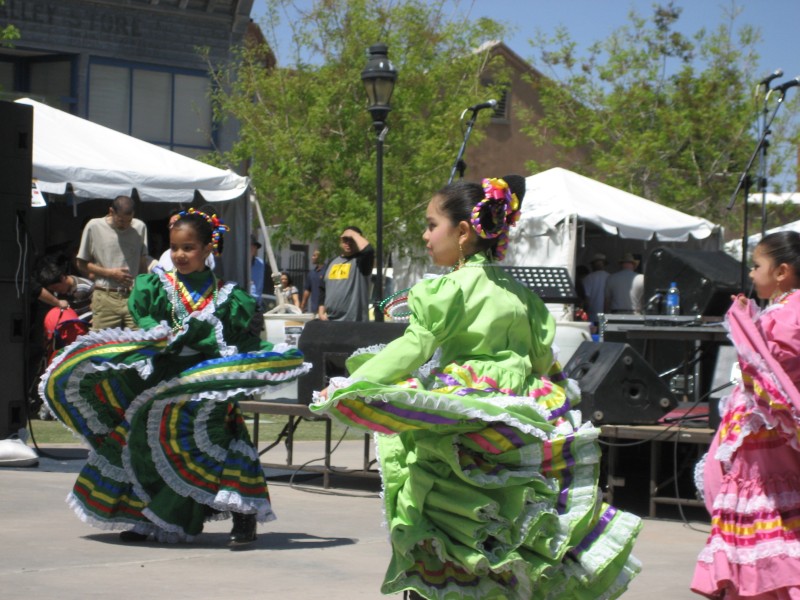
<point>659,114</point>
<point>305,131</point>
<point>9,33</point>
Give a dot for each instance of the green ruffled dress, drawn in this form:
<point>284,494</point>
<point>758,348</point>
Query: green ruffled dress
<point>490,478</point>
<point>158,408</point>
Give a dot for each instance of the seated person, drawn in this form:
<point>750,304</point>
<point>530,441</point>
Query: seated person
<point>62,289</point>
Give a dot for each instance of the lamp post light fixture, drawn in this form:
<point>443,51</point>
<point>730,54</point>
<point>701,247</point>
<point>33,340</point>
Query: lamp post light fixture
<point>379,76</point>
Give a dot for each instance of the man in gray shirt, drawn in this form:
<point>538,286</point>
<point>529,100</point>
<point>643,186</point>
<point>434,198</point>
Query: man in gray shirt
<point>113,252</point>
<point>618,286</point>
<point>344,290</point>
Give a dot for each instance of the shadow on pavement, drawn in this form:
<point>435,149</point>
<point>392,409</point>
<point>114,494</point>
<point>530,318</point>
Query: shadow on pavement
<point>265,541</point>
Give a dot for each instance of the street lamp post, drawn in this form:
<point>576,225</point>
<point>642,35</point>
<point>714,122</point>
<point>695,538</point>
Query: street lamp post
<point>379,76</point>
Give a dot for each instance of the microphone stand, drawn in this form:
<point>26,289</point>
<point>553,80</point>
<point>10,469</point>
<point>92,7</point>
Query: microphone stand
<point>745,181</point>
<point>460,165</point>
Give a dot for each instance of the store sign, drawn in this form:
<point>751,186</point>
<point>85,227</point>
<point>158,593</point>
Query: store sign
<point>79,17</point>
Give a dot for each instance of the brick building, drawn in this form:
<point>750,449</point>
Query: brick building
<point>505,148</point>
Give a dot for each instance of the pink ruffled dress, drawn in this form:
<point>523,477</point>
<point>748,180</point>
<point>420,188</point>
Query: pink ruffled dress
<point>752,472</point>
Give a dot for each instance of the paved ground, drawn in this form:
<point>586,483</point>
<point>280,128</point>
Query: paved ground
<point>325,544</point>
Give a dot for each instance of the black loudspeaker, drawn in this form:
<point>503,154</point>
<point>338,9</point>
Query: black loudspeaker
<point>328,344</point>
<point>13,415</point>
<point>706,279</point>
<point>618,387</point>
<point>16,150</point>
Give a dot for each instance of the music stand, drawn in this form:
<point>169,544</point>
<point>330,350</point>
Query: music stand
<point>551,284</point>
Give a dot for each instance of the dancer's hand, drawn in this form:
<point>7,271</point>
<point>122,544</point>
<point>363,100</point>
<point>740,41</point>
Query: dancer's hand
<point>740,299</point>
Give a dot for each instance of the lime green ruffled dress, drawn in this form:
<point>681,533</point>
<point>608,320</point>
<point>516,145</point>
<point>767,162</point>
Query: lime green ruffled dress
<point>158,408</point>
<point>490,478</point>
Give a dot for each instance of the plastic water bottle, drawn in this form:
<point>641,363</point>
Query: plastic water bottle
<point>673,300</point>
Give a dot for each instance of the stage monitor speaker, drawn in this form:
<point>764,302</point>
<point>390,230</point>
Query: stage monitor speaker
<point>617,385</point>
<point>706,279</point>
<point>16,155</point>
<point>328,344</point>
<point>13,415</point>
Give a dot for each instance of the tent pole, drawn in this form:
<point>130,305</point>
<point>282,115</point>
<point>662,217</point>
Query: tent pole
<point>282,307</point>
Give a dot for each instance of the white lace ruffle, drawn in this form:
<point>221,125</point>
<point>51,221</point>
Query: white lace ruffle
<point>209,398</point>
<point>615,538</point>
<point>700,477</point>
<point>231,501</point>
<point>743,555</point>
<point>373,349</point>
<point>207,315</point>
<point>786,501</point>
<point>118,524</point>
<point>440,402</point>
<point>103,336</point>
<point>424,372</point>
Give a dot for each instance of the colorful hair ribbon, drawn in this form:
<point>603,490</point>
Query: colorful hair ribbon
<point>218,227</point>
<point>500,209</point>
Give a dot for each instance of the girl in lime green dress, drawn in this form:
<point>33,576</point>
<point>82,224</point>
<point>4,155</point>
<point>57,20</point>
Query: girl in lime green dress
<point>159,408</point>
<point>490,478</point>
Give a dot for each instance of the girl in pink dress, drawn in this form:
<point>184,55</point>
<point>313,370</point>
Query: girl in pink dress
<point>752,471</point>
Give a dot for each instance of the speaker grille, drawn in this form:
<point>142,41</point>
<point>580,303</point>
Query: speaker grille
<point>617,385</point>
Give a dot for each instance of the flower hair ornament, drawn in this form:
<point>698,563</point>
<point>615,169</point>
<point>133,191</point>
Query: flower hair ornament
<point>493,216</point>
<point>217,226</point>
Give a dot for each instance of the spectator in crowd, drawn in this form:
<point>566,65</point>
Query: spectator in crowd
<point>637,294</point>
<point>594,287</point>
<point>256,272</point>
<point>619,298</point>
<point>61,289</point>
<point>344,293</point>
<point>310,301</point>
<point>113,251</point>
<point>290,293</point>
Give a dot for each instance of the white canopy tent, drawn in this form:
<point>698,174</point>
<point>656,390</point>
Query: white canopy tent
<point>76,162</point>
<point>734,247</point>
<point>566,218</point>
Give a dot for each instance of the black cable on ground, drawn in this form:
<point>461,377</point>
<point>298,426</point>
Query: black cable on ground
<point>678,497</point>
<point>283,433</point>
<point>42,453</point>
<point>339,471</point>
<point>678,422</point>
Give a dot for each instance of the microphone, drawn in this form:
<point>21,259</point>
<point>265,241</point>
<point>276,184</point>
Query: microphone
<point>788,84</point>
<point>482,105</point>
<point>770,77</point>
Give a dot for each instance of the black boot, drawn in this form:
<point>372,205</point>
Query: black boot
<point>133,536</point>
<point>244,529</point>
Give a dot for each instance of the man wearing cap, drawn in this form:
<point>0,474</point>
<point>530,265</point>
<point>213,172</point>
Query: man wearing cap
<point>619,285</point>
<point>256,272</point>
<point>594,287</point>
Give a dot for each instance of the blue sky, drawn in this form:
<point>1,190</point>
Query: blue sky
<point>591,20</point>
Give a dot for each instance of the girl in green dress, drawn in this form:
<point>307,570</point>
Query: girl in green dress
<point>490,477</point>
<point>158,407</point>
